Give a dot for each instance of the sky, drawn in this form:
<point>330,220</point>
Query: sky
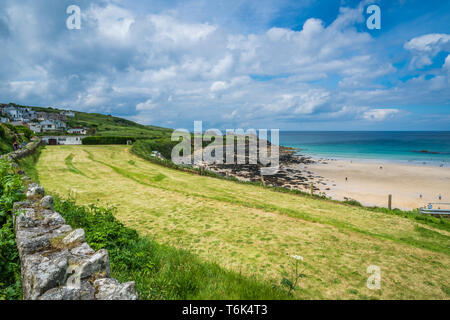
<point>288,65</point>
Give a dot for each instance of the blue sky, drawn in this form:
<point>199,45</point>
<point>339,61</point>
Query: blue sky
<point>292,65</point>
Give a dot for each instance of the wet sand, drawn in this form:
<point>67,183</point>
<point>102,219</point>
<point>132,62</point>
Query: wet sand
<point>370,185</point>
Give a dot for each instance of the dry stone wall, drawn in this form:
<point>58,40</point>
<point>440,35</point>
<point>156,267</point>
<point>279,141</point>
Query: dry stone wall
<point>56,262</point>
<point>29,149</point>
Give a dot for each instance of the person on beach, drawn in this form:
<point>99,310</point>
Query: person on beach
<point>346,179</point>
<point>440,197</point>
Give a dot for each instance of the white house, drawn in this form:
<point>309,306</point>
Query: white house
<point>77,131</point>
<point>48,125</point>
<point>18,113</point>
<point>69,113</point>
<point>60,125</point>
<point>29,113</point>
<point>62,140</point>
<point>35,127</point>
<point>52,125</point>
<point>14,113</point>
<point>41,116</point>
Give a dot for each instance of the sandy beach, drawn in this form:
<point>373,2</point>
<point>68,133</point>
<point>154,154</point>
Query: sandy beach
<point>370,183</point>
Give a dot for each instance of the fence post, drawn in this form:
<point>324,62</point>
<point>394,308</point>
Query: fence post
<point>390,202</point>
<point>262,180</point>
<point>312,189</point>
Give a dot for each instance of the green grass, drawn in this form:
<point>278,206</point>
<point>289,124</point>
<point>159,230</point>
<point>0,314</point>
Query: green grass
<point>107,125</point>
<point>11,190</point>
<point>10,280</point>
<point>71,167</point>
<point>161,271</point>
<point>28,164</point>
<point>252,230</point>
<point>144,148</point>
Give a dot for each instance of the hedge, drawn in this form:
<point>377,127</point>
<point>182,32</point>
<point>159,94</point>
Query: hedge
<point>163,145</point>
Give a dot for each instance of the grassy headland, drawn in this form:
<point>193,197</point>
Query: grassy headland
<point>107,125</point>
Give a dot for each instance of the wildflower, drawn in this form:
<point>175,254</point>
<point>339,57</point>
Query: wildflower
<point>297,257</point>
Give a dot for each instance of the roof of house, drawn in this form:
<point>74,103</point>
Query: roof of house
<point>47,122</point>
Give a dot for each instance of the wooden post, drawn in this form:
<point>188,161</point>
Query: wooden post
<point>312,189</point>
<point>390,202</point>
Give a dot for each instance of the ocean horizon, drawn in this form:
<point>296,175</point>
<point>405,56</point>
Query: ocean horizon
<point>431,147</point>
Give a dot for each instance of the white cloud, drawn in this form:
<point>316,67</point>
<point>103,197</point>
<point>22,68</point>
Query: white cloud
<point>218,86</point>
<point>112,21</point>
<point>146,106</point>
<point>426,47</point>
<point>379,114</point>
<point>132,62</point>
<point>305,103</point>
<point>429,42</point>
<point>447,63</point>
<point>222,66</point>
<point>168,28</point>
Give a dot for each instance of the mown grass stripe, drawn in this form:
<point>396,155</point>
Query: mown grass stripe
<point>69,163</point>
<point>432,246</point>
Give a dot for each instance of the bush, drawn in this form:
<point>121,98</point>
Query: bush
<point>10,281</point>
<point>10,127</point>
<point>163,145</point>
<point>2,132</point>
<point>11,190</point>
<point>96,140</point>
<point>26,131</point>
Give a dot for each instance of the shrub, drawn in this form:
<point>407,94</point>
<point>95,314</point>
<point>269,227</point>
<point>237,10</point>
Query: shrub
<point>10,191</point>
<point>2,132</point>
<point>10,127</point>
<point>163,145</point>
<point>10,283</point>
<point>25,130</point>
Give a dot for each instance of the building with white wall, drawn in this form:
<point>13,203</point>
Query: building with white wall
<point>35,127</point>
<point>53,125</point>
<point>62,140</point>
<point>69,114</point>
<point>77,131</point>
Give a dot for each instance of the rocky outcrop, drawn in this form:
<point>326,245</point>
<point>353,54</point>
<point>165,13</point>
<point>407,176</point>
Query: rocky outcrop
<point>56,262</point>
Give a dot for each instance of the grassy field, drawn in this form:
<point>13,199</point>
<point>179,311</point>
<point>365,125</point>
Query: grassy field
<point>254,230</point>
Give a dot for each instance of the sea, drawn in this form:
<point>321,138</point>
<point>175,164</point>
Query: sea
<point>431,148</point>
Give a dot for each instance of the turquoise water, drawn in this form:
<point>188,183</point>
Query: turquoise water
<point>391,146</point>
